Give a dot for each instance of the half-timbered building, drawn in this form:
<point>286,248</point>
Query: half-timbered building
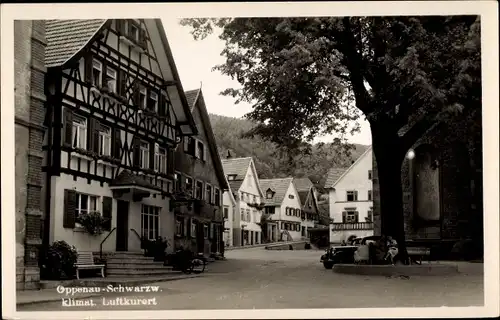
<point>116,111</point>
<point>199,185</point>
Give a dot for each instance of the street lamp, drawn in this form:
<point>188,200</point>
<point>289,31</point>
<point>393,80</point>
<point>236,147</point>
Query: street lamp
<point>410,154</point>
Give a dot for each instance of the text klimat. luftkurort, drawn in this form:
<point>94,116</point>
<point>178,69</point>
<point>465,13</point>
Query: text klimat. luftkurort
<point>120,301</point>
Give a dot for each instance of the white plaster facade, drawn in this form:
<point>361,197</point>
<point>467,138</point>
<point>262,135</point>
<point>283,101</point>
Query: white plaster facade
<point>245,190</point>
<point>229,206</point>
<point>355,212</point>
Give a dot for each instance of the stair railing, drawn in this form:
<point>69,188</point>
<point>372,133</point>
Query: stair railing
<point>104,240</point>
<point>138,236</point>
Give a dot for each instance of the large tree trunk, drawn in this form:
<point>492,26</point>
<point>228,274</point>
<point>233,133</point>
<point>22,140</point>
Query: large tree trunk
<point>389,157</point>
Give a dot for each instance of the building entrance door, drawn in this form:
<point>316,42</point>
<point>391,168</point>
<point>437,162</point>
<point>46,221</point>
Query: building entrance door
<point>122,211</point>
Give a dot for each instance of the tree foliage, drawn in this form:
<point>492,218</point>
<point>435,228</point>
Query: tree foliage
<point>304,76</point>
<point>308,76</point>
<point>272,162</point>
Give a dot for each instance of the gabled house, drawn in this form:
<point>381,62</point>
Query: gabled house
<point>310,210</point>
<point>244,185</point>
<point>199,185</point>
<point>351,199</point>
<point>230,214</point>
<point>116,111</point>
<point>282,204</point>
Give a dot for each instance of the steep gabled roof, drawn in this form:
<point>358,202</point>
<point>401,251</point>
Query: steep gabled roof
<point>333,176</point>
<point>67,37</point>
<point>331,183</point>
<point>192,96</point>
<point>303,184</point>
<point>278,186</point>
<point>236,166</point>
<point>195,98</point>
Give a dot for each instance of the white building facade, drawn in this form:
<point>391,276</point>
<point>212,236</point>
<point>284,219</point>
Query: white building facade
<point>351,199</point>
<point>229,208</point>
<point>282,204</point>
<point>245,188</point>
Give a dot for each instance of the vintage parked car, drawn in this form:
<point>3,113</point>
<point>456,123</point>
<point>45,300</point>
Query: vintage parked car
<point>338,254</point>
<point>345,254</point>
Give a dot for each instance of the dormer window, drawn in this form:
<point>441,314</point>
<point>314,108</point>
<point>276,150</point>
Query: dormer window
<point>269,194</point>
<point>96,73</point>
<point>231,177</point>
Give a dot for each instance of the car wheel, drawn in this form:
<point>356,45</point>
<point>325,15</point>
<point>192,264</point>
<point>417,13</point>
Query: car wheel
<point>328,264</point>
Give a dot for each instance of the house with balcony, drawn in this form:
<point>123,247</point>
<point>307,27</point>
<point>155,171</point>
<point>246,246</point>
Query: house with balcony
<point>198,185</point>
<point>244,186</point>
<point>284,209</point>
<point>351,199</point>
<point>115,114</point>
<point>310,210</point>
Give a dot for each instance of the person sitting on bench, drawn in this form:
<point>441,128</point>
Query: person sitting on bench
<point>392,249</point>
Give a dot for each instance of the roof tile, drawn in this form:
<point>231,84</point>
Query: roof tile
<point>191,97</point>
<point>66,37</point>
<point>279,186</point>
<point>333,175</point>
<point>237,166</point>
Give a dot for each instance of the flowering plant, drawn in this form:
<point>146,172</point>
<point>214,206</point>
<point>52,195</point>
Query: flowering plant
<point>92,222</point>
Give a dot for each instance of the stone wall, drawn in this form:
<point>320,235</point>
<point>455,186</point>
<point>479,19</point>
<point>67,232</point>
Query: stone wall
<point>29,64</point>
<point>457,149</point>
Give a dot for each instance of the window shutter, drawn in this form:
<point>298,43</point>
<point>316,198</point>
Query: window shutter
<point>184,226</point>
<point>68,127</point>
<point>186,144</point>
<point>122,82</point>
<point>136,147</point>
<point>88,68</point>
<point>204,153</point>
<point>95,135</point>
<point>151,155</point>
<point>107,209</point>
<point>104,73</point>
<point>142,39</point>
<point>136,98</point>
<point>117,144</point>
<point>196,151</point>
<point>120,27</point>
<point>356,216</point>
<point>90,134</point>
<point>170,161</point>
<point>211,232</point>
<point>69,208</point>
<point>344,216</point>
<point>355,195</point>
<point>188,227</point>
<point>161,105</point>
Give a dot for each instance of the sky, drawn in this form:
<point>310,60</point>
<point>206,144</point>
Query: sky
<point>194,61</point>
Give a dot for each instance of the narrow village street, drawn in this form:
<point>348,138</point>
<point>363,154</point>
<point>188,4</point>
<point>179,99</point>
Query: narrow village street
<point>260,279</point>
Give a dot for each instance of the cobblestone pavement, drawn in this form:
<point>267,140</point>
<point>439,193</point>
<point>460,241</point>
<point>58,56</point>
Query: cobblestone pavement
<point>260,279</point>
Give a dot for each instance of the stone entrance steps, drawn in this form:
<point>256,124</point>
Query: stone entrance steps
<point>135,264</point>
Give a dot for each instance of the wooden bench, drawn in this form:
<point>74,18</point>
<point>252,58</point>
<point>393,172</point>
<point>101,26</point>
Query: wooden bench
<point>416,254</point>
<point>85,260</point>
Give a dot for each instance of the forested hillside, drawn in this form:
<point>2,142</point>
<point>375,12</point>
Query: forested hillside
<point>273,164</point>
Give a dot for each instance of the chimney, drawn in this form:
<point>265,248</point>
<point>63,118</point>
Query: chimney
<point>228,155</point>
